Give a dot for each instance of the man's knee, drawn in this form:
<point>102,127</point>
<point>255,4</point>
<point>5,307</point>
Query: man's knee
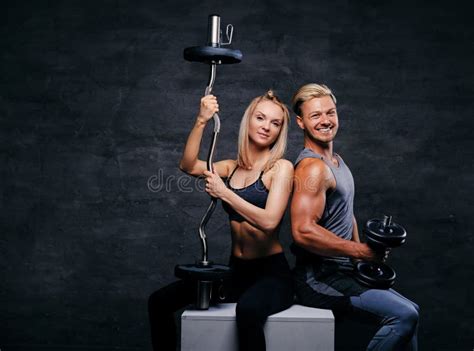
<point>408,319</point>
<point>417,308</point>
<point>411,315</point>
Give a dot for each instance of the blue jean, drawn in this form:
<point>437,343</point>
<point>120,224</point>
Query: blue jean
<point>397,316</point>
<point>325,285</point>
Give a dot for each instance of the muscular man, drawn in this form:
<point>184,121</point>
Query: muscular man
<point>325,231</point>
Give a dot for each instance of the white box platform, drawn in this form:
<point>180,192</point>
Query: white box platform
<point>298,328</point>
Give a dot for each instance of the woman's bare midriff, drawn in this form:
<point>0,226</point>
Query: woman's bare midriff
<point>249,242</point>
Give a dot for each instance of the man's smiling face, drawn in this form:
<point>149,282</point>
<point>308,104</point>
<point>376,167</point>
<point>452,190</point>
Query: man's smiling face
<point>319,119</point>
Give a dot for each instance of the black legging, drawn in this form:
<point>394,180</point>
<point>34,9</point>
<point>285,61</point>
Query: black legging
<point>261,287</point>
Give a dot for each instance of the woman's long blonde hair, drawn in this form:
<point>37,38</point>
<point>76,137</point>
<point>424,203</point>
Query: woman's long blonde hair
<point>277,149</point>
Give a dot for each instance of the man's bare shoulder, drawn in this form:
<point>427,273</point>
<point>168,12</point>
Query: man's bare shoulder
<point>312,167</point>
<point>314,172</point>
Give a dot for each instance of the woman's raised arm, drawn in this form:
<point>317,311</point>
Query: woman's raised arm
<point>190,163</point>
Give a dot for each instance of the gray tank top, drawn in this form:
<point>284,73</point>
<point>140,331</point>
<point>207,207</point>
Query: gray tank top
<point>339,209</point>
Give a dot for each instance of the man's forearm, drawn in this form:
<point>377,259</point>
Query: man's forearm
<point>321,241</point>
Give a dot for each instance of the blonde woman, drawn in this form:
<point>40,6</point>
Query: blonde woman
<point>255,194</point>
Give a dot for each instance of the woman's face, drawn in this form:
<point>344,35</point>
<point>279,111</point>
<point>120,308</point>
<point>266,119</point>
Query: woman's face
<point>265,123</point>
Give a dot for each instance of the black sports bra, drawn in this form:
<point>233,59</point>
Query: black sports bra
<point>255,193</point>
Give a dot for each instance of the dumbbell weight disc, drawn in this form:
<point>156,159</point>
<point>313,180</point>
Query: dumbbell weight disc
<point>392,235</point>
<point>380,245</point>
<point>375,275</point>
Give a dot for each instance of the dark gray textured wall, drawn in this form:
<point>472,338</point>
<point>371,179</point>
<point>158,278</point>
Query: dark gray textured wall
<point>95,105</point>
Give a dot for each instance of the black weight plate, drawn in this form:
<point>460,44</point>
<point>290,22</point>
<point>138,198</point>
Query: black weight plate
<point>394,233</point>
<point>375,226</point>
<point>208,54</point>
<point>380,245</point>
<point>206,273</point>
<point>376,275</point>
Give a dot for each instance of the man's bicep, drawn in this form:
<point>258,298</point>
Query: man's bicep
<point>309,198</point>
<point>307,207</point>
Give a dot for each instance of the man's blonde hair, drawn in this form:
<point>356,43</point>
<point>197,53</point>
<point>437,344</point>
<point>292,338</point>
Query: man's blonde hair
<point>308,92</point>
<point>277,149</point>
